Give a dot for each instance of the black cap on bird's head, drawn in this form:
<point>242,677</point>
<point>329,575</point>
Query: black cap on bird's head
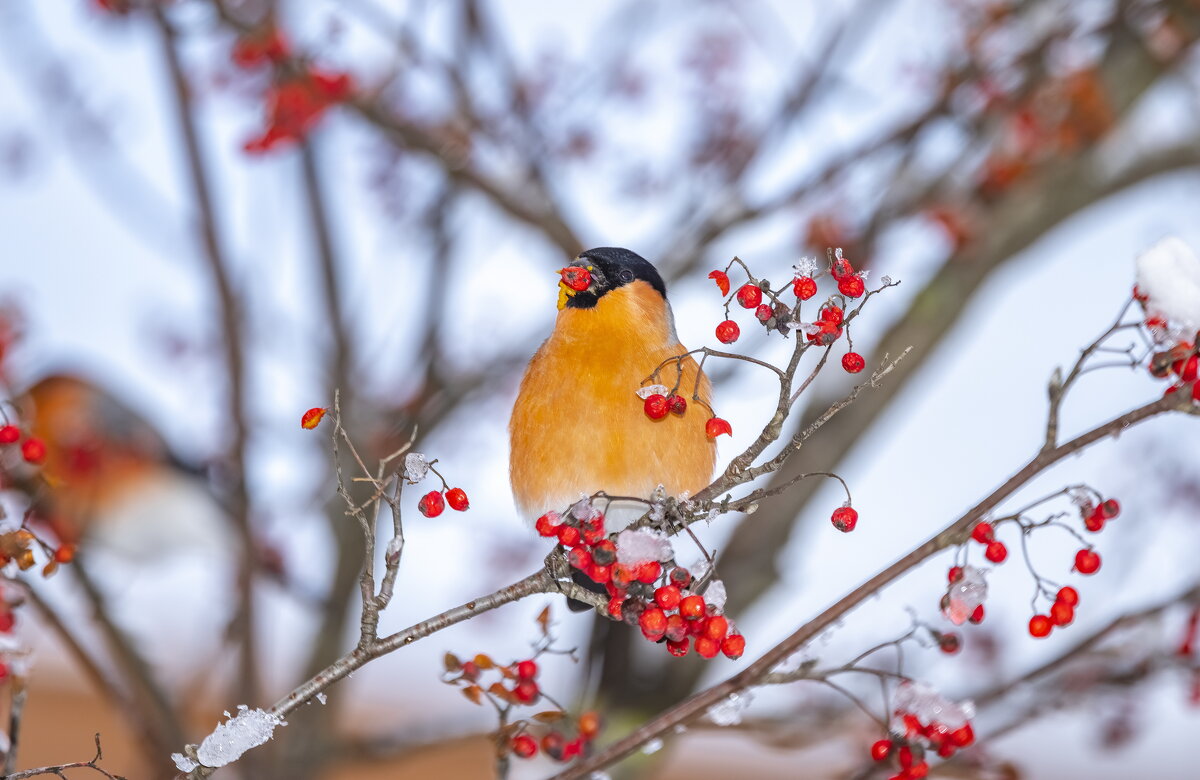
<point>602,270</point>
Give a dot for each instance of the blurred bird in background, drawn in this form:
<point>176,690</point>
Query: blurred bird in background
<point>578,425</point>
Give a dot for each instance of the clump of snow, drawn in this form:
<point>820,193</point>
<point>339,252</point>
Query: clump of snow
<point>652,747</point>
<point>321,697</point>
<point>885,280</point>
<point>729,711</point>
<point>582,510</point>
<point>649,390</point>
<point>250,728</point>
<point>808,328</point>
<point>642,545</point>
<point>806,267</point>
<point>965,595</point>
<point>1168,274</point>
<point>183,763</point>
<point>416,467</point>
<point>929,706</point>
<point>715,596</point>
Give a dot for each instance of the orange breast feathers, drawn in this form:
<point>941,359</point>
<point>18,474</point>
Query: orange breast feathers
<point>578,425</point>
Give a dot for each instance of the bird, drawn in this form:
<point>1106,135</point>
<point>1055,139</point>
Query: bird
<point>578,426</point>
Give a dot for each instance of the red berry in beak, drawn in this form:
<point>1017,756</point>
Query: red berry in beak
<point>578,279</point>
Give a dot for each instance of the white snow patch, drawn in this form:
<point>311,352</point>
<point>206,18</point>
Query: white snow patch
<point>715,595</point>
<point>183,763</point>
<point>729,711</point>
<point>639,546</point>
<point>1168,274</point>
<point>250,728</point>
<point>806,267</point>
<point>929,706</point>
<point>652,747</point>
<point>416,467</point>
<point>649,390</point>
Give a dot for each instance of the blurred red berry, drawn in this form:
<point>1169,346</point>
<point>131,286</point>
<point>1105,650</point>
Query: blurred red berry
<point>1110,509</point>
<point>983,533</point>
<point>996,552</point>
<point>881,749</point>
<point>977,616</point>
<point>524,746</point>
<point>1062,614</point>
<point>1068,596</point>
<point>312,418</point>
<point>33,450</point>
<point>526,692</point>
<point>527,670</point>
<point>1039,626</point>
<point>949,643</point>
<point>9,434</point>
<point>1087,562</point>
<point>955,574</point>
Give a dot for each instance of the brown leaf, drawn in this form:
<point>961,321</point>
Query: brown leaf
<point>474,693</point>
<point>500,692</point>
<point>550,716</point>
<point>484,661</point>
<point>543,620</point>
<point>452,663</point>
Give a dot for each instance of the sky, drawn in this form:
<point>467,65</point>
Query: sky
<point>97,253</point>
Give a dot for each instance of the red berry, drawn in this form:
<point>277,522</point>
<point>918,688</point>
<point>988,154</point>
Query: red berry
<point>65,554</point>
<point>722,280</point>
<point>983,533</point>
<point>526,692</point>
<point>653,622</point>
<point>457,499</point>
<point>1068,596</point>
<point>470,671</point>
<point>733,646</point>
<point>851,286</point>
<point>677,403</point>
<point>527,670</point>
<point>677,628</point>
<point>881,749</point>
<point>728,332</point>
<point>955,574</point>
<point>853,362</point>
<point>977,615</point>
<point>996,552</point>
<point>547,524</point>
<point>804,287</point>
<point>33,450</point>
<point>749,296</point>
<point>593,530</point>
<point>647,572</point>
<point>1095,521</point>
<point>681,577</point>
<point>949,643</point>
<point>692,607</point>
<point>962,736</point>
<point>553,745</point>
<point>524,746</point>
<point>601,573</point>
<point>1087,562</point>
<point>716,627</point>
<point>604,552</point>
<point>667,596</point>
<point>1110,509</point>
<point>656,406</point>
<point>832,314</point>
<point>707,648</point>
<point>7,621</point>
<point>589,725</point>
<point>9,434</point>
<point>841,267</point>
<point>432,504</point>
<point>764,312</point>
<point>580,558</point>
<point>615,605</point>
<point>1039,626</point>
<point>1062,614</point>
<point>716,426</point>
<point>569,536</point>
<point>578,279</point>
<point>844,518</point>
<point>312,418</point>
<point>678,649</point>
<point>622,575</point>
<point>905,756</point>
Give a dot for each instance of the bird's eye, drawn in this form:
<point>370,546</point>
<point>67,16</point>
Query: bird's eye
<point>626,275</point>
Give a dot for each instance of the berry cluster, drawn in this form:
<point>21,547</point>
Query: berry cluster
<point>924,722</point>
<point>1062,613</point>
<point>985,534</point>
<point>434,502</point>
<point>777,315</point>
<point>659,401</point>
<point>33,450</point>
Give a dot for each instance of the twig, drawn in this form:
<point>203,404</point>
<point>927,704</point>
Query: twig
<point>60,769</point>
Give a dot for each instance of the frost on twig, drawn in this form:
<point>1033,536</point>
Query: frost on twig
<point>226,744</point>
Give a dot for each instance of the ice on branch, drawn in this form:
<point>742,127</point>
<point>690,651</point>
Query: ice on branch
<point>583,511</point>
<point>183,763</point>
<point>806,267</point>
<point>929,706</point>
<point>715,596</point>
<point>729,711</point>
<point>249,728</point>
<point>1168,274</point>
<point>649,390</point>
<point>965,595</point>
<point>416,467</point>
<point>642,545</point>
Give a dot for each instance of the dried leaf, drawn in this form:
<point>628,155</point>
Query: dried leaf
<point>484,661</point>
<point>543,620</point>
<point>452,663</point>
<point>550,716</point>
<point>474,693</point>
<point>500,692</point>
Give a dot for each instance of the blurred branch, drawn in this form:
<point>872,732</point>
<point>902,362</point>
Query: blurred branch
<point>243,623</point>
<point>58,770</point>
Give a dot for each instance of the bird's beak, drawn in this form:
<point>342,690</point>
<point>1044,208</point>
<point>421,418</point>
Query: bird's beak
<point>572,280</point>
